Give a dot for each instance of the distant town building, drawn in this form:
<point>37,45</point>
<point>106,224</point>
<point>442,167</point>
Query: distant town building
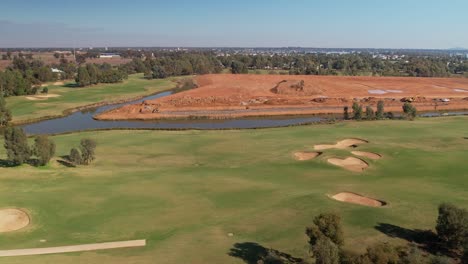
<point>109,55</point>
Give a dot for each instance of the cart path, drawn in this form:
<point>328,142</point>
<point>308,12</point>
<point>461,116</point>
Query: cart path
<point>74,248</point>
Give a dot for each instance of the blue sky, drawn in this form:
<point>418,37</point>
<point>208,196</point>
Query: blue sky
<point>245,23</point>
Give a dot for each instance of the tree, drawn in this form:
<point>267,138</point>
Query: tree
<point>87,147</point>
<point>93,72</point>
<point>45,90</point>
<point>452,226</point>
<point>238,67</point>
<point>326,252</point>
<point>159,72</point>
<point>381,253</point>
<point>44,149</point>
<point>326,225</point>
<point>380,110</point>
<point>75,156</point>
<point>409,110</point>
<point>83,78</point>
<point>370,114</point>
<point>5,113</point>
<point>346,113</point>
<point>16,145</point>
<point>57,55</point>
<point>357,111</point>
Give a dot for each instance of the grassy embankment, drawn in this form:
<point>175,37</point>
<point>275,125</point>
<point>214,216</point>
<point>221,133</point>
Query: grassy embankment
<point>70,97</point>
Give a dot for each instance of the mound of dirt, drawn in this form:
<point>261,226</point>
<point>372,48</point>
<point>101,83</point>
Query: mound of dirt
<point>354,198</point>
<point>12,219</point>
<point>350,163</point>
<point>346,143</point>
<point>369,155</point>
<point>306,155</point>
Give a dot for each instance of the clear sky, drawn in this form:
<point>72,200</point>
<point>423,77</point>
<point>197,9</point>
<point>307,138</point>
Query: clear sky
<point>239,23</point>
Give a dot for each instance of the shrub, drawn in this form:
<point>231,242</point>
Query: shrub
<point>452,226</point>
<point>326,225</point>
<point>357,111</point>
<point>44,149</point>
<point>87,147</point>
<point>75,156</point>
<point>326,252</point>
<point>45,90</point>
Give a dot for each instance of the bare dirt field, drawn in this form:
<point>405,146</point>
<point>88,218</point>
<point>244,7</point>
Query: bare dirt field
<point>228,95</point>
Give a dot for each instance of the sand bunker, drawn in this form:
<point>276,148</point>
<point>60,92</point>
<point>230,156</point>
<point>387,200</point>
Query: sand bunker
<point>42,97</point>
<point>306,155</point>
<point>346,143</point>
<point>354,198</point>
<point>350,163</point>
<point>12,219</point>
<point>369,155</point>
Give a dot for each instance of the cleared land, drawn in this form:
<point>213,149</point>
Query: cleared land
<point>194,194</point>
<point>63,97</point>
<point>228,95</point>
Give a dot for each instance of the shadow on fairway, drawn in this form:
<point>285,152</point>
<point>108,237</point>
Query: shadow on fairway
<point>251,253</point>
<point>426,239</point>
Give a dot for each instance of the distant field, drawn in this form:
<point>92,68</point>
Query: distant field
<point>24,107</point>
<point>186,191</point>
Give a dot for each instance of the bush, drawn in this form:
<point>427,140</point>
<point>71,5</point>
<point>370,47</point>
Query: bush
<point>452,226</point>
<point>370,114</point>
<point>380,110</point>
<point>75,156</point>
<point>357,111</point>
<point>409,110</point>
<point>346,113</point>
<point>326,225</point>
<point>326,252</point>
<point>44,149</point>
<point>45,90</point>
<point>87,147</point>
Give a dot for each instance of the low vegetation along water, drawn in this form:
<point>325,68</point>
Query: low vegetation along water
<point>83,120</point>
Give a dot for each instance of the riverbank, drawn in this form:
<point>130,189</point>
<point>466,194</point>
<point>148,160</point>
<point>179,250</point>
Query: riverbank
<point>72,99</point>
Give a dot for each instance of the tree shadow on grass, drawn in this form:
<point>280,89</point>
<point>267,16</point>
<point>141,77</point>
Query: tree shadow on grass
<point>252,253</point>
<point>71,85</point>
<point>426,239</point>
<point>7,163</point>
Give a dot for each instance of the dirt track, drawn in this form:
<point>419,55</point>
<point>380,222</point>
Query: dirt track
<point>228,95</point>
<point>75,248</point>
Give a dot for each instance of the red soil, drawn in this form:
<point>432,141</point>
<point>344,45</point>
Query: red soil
<point>228,95</point>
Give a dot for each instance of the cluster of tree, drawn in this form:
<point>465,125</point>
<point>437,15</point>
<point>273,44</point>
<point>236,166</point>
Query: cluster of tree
<point>326,240</point>
<point>353,64</point>
<point>94,74</point>
<point>86,153</point>
<point>370,114</point>
<point>176,64</point>
<point>19,152</point>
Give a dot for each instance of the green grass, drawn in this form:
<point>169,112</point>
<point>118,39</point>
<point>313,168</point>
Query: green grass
<point>185,191</point>
<point>72,97</point>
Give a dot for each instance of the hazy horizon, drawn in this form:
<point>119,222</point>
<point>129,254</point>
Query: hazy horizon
<point>309,24</point>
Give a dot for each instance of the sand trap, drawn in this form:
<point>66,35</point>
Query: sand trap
<point>369,155</point>
<point>74,248</point>
<point>306,155</point>
<point>42,96</point>
<point>12,220</point>
<point>350,163</point>
<point>59,83</point>
<point>346,143</point>
<point>354,198</point>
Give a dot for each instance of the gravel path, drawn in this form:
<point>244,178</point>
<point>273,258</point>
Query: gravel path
<point>75,248</point>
